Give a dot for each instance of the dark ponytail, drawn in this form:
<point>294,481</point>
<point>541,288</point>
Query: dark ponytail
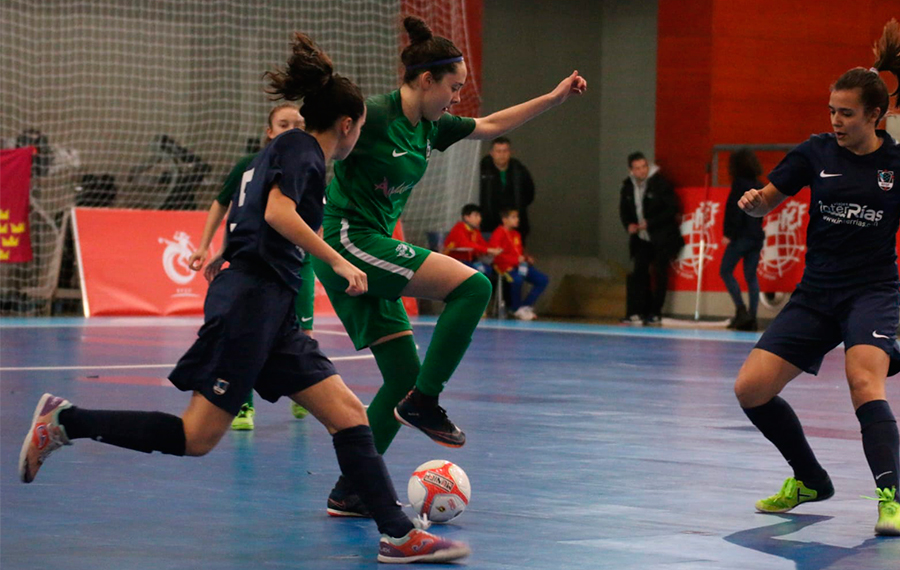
<point>873,90</point>
<point>425,48</point>
<point>310,76</point>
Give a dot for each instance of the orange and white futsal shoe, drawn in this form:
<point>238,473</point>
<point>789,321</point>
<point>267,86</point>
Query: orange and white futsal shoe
<point>420,546</point>
<point>44,436</point>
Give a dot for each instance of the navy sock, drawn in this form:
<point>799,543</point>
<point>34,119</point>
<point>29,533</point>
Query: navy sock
<point>780,425</point>
<point>881,442</point>
<point>140,431</point>
<point>365,472</point>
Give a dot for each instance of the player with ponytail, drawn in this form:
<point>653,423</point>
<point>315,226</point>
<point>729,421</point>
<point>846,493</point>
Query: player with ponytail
<point>849,290</point>
<point>365,200</point>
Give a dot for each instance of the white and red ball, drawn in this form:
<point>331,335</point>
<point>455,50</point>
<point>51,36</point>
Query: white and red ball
<point>440,490</point>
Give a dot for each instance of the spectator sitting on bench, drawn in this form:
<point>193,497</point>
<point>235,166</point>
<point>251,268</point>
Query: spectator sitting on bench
<point>516,266</point>
<point>466,244</point>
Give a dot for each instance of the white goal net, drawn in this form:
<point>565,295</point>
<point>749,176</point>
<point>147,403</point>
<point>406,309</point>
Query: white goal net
<point>148,104</point>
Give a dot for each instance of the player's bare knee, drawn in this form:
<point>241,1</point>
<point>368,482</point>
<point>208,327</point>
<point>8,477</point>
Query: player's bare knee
<point>750,392</point>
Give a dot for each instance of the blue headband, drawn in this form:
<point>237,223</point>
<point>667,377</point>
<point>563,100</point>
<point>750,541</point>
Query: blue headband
<point>434,63</point>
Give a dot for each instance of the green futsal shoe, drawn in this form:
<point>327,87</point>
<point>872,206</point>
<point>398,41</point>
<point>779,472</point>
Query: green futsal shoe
<point>244,420</point>
<point>888,512</point>
<point>299,411</point>
<point>793,492</point>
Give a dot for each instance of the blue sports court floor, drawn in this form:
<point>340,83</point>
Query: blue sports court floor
<point>588,447</point>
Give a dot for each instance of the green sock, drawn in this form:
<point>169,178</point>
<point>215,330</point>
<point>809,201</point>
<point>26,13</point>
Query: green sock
<point>249,401</point>
<point>399,364</point>
<point>453,333</point>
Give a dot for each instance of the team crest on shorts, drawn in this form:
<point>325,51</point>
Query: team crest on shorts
<point>220,387</point>
<point>886,179</point>
<point>405,251</point>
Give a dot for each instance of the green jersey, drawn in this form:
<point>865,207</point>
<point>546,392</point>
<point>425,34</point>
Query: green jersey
<point>371,186</point>
<point>233,180</point>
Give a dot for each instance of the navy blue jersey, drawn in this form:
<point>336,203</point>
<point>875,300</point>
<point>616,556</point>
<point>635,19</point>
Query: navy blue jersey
<point>295,162</point>
<point>854,210</point>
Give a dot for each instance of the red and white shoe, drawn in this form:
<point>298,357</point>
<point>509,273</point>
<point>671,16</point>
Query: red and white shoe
<point>420,546</point>
<point>44,436</point>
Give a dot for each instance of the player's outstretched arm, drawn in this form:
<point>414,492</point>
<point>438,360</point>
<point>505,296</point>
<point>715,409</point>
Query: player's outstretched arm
<point>758,203</point>
<point>215,216</point>
<point>281,214</point>
<point>501,122</point>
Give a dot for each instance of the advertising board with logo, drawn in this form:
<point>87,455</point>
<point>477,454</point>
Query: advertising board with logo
<point>781,260</point>
<point>135,262</point>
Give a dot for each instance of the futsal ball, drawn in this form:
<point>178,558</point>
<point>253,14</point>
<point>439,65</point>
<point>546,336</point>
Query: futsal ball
<point>439,490</point>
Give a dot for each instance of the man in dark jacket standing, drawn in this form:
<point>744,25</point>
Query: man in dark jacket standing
<point>649,210</point>
<point>505,185</point>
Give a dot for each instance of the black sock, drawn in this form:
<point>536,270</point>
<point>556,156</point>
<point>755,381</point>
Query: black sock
<point>778,422</point>
<point>366,474</point>
<point>881,442</point>
<point>140,431</point>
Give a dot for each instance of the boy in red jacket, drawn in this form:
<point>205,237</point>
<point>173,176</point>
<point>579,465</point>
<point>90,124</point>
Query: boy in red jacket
<point>465,242</point>
<point>514,264</point>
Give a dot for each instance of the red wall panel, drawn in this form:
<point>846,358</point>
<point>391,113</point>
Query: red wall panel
<point>752,71</point>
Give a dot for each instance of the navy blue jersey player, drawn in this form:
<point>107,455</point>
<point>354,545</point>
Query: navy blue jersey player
<point>250,338</point>
<point>849,291</point>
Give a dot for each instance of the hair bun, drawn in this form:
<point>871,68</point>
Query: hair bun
<point>417,29</point>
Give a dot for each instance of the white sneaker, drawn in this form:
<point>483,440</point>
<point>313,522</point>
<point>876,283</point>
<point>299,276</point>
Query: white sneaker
<point>524,313</point>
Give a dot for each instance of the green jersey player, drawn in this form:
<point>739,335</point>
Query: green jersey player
<point>364,202</point>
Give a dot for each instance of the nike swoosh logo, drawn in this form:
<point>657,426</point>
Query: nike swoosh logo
<point>823,174</point>
<point>306,319</point>
<point>396,154</point>
<point>883,474</point>
<point>876,335</point>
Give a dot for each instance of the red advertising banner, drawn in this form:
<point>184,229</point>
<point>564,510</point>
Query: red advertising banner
<point>15,186</point>
<point>135,262</point>
<point>781,261</point>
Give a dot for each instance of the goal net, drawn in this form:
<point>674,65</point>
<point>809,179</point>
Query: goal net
<point>148,104</point>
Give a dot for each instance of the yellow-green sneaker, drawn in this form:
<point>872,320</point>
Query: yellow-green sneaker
<point>244,419</point>
<point>793,492</point>
<point>299,411</point>
<point>888,512</point>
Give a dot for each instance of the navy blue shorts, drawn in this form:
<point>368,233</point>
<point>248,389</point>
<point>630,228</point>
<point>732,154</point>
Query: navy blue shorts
<point>814,322</point>
<point>250,340</point>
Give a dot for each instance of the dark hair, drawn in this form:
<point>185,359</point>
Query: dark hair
<point>500,140</point>
<point>743,164</point>
<point>425,47</point>
<point>635,156</point>
<point>507,212</point>
<point>873,90</point>
<point>469,209</point>
<point>310,76</point>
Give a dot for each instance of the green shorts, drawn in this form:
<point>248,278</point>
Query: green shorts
<point>306,296</point>
<point>389,265</point>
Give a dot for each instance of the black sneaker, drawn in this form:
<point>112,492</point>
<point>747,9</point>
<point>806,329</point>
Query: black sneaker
<point>346,504</point>
<point>430,419</point>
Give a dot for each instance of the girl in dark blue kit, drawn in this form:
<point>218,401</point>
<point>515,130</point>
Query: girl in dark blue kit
<point>849,290</point>
<point>250,338</point>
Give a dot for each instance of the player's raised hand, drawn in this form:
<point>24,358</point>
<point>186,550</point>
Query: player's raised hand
<point>358,282</point>
<point>751,201</point>
<point>571,85</point>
